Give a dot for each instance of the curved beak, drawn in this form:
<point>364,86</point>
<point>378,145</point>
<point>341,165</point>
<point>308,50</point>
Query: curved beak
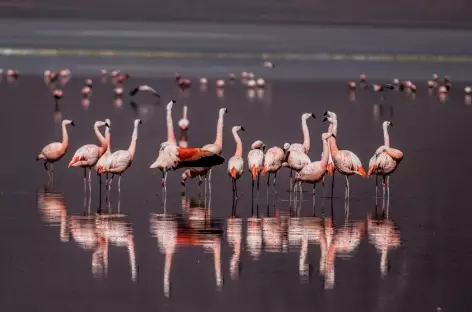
<point>332,134</point>
<point>72,124</point>
<point>391,124</point>
<point>140,122</point>
<point>325,113</point>
<point>313,115</point>
<point>242,129</point>
<point>107,125</point>
<point>325,119</point>
<point>226,111</point>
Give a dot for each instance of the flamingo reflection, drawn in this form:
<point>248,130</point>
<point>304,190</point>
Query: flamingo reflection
<point>53,208</point>
<point>193,227</point>
<point>383,234</point>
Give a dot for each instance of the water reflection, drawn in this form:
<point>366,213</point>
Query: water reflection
<point>383,234</point>
<point>193,227</point>
<point>92,232</point>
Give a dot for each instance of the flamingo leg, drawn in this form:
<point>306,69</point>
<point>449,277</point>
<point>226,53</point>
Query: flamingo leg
<point>268,180</point>
<point>90,177</point>
<point>47,169</point>
<point>110,182</point>
<point>383,187</point>
<point>85,180</point>
<point>332,185</point>
<point>258,178</point>
<point>119,184</point>
<point>376,186</point>
<point>388,187</point>
<point>314,187</point>
<point>275,177</point>
<point>323,185</point>
<point>236,189</point>
<point>164,178</point>
<point>347,187</point>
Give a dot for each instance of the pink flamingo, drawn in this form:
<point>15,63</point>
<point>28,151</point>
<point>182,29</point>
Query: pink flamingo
<point>103,160</point>
<point>255,160</point>
<point>55,151</point>
<point>88,155</point>
<point>121,160</point>
<point>236,163</point>
<point>172,157</point>
<point>217,146</point>
<point>334,130</point>
<point>315,171</point>
<point>183,123</point>
<point>385,160</point>
<point>346,162</point>
<point>305,147</point>
<point>273,161</point>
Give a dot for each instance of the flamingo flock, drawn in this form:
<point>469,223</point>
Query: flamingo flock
<point>198,162</point>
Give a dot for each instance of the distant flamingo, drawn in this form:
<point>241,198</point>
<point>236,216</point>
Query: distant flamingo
<point>385,160</point>
<point>173,157</point>
<point>88,155</point>
<point>103,161</point>
<point>144,88</point>
<point>121,160</point>
<point>55,151</point>
<point>255,160</point>
<point>315,171</point>
<point>236,163</point>
<point>273,160</point>
<point>183,123</point>
<point>346,162</point>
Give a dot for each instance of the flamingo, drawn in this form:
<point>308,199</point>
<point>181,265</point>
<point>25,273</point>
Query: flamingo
<point>102,162</point>
<point>236,163</point>
<point>183,123</point>
<point>385,160</point>
<point>55,151</point>
<point>334,131</point>
<point>172,157</point>
<point>121,160</point>
<point>346,162</point>
<point>217,147</point>
<point>194,172</point>
<point>88,155</point>
<point>144,88</point>
<point>296,160</point>
<point>315,171</point>
<point>255,160</point>
<point>273,160</point>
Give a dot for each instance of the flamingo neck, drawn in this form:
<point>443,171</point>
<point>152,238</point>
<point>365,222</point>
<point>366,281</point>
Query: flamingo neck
<point>239,144</point>
<point>102,141</point>
<point>306,135</point>
<point>185,112</point>
<point>325,157</point>
<point>386,136</point>
<point>170,128</point>
<point>134,138</point>
<point>65,137</point>
<point>333,147</point>
<point>108,139</point>
<point>219,133</point>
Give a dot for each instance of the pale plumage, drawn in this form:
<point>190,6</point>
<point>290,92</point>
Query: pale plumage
<point>297,160</point>
<point>217,147</point>
<point>183,123</point>
<point>103,161</point>
<point>315,171</point>
<point>346,162</point>
<point>236,163</point>
<point>273,161</point>
<point>334,130</point>
<point>385,159</point>
<point>88,155</point>
<point>255,159</point>
<point>55,151</point>
<point>121,160</point>
<point>305,147</point>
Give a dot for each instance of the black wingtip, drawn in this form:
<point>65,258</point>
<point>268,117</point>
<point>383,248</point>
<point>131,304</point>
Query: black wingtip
<point>134,91</point>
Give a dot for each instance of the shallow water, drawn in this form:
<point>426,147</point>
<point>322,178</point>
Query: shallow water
<point>148,251</point>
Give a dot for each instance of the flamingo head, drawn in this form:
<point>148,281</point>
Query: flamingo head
<point>223,111</point>
<point>68,122</point>
<point>387,123</point>
<point>305,116</point>
<point>327,135</point>
<point>258,145</point>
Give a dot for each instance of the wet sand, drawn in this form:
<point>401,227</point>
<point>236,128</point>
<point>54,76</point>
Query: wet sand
<point>54,255</point>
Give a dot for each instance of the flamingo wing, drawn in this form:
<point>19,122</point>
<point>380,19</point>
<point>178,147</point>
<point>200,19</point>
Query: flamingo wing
<point>52,150</point>
<point>119,161</point>
<point>197,157</point>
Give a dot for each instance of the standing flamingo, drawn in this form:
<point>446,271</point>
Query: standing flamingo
<point>217,147</point>
<point>305,147</point>
<point>273,160</point>
<point>236,163</point>
<point>55,151</point>
<point>333,130</point>
<point>183,123</point>
<point>88,155</point>
<point>172,157</point>
<point>385,160</point>
<point>102,162</point>
<point>346,162</point>
<point>315,171</point>
<point>121,160</point>
<point>255,160</point>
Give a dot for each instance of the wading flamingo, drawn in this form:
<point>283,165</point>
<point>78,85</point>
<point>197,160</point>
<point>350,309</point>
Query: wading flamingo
<point>172,157</point>
<point>121,160</point>
<point>88,155</point>
<point>217,147</point>
<point>183,123</point>
<point>346,162</point>
<point>315,171</point>
<point>385,160</point>
<point>273,160</point>
<point>305,147</point>
<point>55,151</point>
<point>236,163</point>
<point>103,161</point>
<point>255,160</point>
<point>334,130</point>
